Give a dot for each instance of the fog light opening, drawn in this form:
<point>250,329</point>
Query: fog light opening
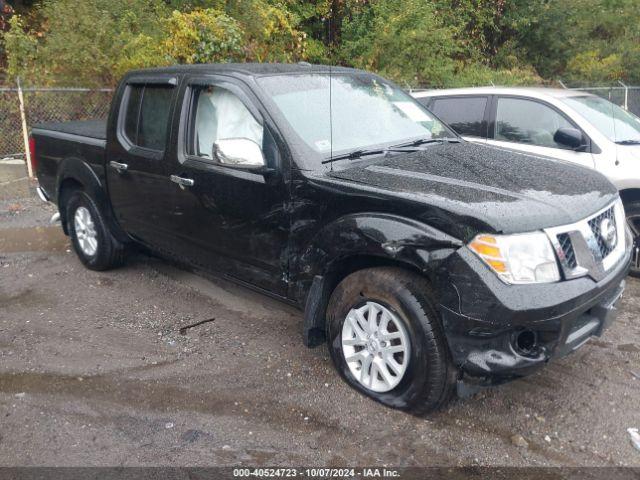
<point>526,342</point>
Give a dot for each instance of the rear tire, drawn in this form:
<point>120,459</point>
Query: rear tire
<point>632,210</point>
<point>92,241</point>
<point>421,382</point>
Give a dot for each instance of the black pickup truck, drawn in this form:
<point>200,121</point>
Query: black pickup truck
<point>429,265</point>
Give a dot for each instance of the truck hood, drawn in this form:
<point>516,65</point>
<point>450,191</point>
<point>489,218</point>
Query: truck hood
<point>485,187</point>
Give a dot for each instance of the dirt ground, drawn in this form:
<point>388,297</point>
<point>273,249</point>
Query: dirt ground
<point>95,371</point>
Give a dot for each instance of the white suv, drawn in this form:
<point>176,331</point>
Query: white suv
<point>562,124</point>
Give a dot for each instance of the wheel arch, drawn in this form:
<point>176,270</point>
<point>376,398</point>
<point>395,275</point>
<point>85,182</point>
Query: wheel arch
<point>356,242</point>
<point>76,174</point>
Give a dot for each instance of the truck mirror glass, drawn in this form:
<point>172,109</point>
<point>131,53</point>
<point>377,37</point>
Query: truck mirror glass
<point>238,152</point>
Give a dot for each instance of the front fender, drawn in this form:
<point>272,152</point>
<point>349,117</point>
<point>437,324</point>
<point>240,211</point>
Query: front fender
<point>380,235</point>
<point>383,236</point>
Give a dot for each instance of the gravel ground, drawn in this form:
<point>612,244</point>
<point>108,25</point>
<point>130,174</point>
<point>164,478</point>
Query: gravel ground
<point>95,371</point>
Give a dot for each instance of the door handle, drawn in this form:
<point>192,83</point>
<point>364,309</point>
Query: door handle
<point>120,167</point>
<point>183,182</point>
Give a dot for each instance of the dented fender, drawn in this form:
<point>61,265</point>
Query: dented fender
<point>378,235</point>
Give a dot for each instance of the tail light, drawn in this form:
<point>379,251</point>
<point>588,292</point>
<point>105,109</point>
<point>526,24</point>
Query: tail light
<point>32,154</point>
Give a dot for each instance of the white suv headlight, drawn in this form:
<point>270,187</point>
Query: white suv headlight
<point>521,258</point>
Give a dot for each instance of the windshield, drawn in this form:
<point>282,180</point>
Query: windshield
<point>365,111</point>
<point>614,122</point>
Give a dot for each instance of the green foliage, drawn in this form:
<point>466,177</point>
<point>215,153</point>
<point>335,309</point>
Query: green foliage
<point>591,67</point>
<point>270,31</point>
<point>579,40</point>
<point>413,42</point>
<point>86,43</point>
<point>402,39</point>
<point>22,48</point>
<point>202,36</point>
<point>417,42</point>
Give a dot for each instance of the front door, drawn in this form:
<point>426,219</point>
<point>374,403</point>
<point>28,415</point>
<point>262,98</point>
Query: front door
<point>529,126</point>
<point>230,218</point>
<point>137,171</point>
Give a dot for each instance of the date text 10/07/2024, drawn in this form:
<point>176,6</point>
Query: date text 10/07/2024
<point>316,472</point>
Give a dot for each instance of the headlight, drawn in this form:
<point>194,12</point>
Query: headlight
<point>522,258</point>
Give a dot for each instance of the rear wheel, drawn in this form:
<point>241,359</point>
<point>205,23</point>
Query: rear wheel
<point>385,340</point>
<point>90,235</point>
<point>632,210</point>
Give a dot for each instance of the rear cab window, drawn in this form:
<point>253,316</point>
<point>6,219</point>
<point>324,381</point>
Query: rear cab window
<point>146,121</point>
<point>466,115</point>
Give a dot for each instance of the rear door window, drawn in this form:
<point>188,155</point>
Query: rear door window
<point>147,115</point>
<point>133,112</point>
<point>464,114</point>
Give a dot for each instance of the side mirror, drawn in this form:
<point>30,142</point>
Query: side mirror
<point>569,137</point>
<point>239,152</point>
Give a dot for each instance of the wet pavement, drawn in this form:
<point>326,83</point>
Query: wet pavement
<point>152,365</point>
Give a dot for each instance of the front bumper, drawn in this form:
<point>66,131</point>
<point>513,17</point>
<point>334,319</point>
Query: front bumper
<point>485,320</point>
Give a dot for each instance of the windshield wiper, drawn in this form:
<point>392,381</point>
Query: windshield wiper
<point>424,141</point>
<point>354,155</point>
<point>393,148</point>
<point>628,142</point>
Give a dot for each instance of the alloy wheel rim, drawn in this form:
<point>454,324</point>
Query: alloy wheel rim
<point>375,344</point>
<point>634,225</point>
<point>85,231</point>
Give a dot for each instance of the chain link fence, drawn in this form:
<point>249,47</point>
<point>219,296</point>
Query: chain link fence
<point>46,105</point>
<point>626,96</point>
<point>65,104</point>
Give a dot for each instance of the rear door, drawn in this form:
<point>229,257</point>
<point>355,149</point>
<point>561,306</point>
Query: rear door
<point>229,218</point>
<point>137,172</point>
<point>529,125</point>
<point>467,115</point>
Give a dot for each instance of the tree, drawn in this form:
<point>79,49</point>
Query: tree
<point>415,43</point>
<point>86,43</point>
<point>202,36</point>
<point>431,42</point>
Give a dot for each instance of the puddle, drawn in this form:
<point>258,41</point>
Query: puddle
<point>34,239</point>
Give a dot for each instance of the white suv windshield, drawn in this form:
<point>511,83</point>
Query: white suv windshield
<point>614,122</point>
<point>364,111</point>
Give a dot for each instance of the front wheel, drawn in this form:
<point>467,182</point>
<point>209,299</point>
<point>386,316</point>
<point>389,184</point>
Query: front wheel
<point>632,210</point>
<point>385,340</point>
<point>90,235</point>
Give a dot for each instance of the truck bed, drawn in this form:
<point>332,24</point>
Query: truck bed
<point>78,144</point>
<point>96,129</point>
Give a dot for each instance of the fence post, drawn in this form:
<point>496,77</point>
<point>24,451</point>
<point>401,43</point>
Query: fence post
<point>25,131</point>
<point>626,95</point>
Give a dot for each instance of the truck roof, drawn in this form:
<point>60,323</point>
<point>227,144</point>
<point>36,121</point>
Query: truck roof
<point>251,69</point>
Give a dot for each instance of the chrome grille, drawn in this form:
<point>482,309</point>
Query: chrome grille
<point>567,249</point>
<point>583,249</point>
<point>595,223</point>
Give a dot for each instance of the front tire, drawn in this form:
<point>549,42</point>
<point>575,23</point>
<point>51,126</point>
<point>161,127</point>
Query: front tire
<point>92,241</point>
<point>385,339</point>
<point>632,210</point>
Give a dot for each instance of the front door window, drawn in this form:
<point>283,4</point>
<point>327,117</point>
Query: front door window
<point>529,122</point>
